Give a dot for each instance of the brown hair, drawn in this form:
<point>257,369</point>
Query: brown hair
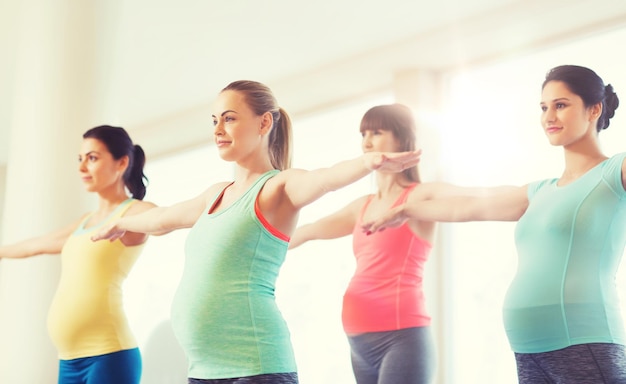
<point>261,99</point>
<point>398,119</point>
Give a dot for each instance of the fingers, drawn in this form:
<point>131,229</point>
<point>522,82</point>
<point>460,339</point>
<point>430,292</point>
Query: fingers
<point>370,228</point>
<point>107,235</point>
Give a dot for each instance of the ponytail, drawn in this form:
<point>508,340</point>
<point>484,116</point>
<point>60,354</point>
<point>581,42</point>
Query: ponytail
<point>280,140</point>
<point>134,178</point>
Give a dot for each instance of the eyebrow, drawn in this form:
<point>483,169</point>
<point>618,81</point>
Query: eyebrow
<point>90,153</point>
<point>555,100</point>
<point>225,112</point>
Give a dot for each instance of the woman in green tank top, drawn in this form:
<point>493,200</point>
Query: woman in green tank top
<point>224,313</point>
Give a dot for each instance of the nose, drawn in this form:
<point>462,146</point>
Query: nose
<point>366,142</point>
<point>218,128</point>
<point>549,115</point>
<point>82,167</point>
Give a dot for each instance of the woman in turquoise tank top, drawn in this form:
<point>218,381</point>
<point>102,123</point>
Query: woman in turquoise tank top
<point>224,313</point>
<point>95,344</point>
<point>561,312</point>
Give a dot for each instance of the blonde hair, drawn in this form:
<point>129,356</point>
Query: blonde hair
<point>260,99</point>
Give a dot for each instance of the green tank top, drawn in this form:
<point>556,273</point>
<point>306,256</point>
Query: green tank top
<point>224,312</point>
<point>570,242</point>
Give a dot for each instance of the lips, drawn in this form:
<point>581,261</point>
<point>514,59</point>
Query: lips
<point>221,143</point>
<point>553,129</point>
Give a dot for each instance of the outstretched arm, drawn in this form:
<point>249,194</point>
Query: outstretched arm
<point>157,220</point>
<point>500,204</point>
<point>304,187</point>
<point>333,226</point>
<point>51,243</point>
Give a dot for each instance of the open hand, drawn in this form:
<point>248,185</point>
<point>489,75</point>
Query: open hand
<point>109,232</point>
<point>392,161</point>
<point>394,217</point>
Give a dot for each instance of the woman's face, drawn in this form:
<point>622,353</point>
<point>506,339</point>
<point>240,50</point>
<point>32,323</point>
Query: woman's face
<point>564,117</point>
<point>238,131</point>
<point>97,167</point>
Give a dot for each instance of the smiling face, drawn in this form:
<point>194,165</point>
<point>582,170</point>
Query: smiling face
<point>98,169</point>
<point>238,131</point>
<point>564,118</point>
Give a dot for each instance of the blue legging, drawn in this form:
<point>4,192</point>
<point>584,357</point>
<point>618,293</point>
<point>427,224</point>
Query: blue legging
<point>123,367</point>
<point>597,363</point>
<point>405,356</point>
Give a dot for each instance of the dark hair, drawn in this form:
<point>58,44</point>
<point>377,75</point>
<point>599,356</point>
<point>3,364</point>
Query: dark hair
<point>589,86</point>
<point>398,119</point>
<point>260,99</point>
<point>118,142</point>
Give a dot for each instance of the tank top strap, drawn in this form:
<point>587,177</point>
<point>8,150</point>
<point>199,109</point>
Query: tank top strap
<point>405,194</point>
<point>254,190</point>
<point>117,213</point>
<point>250,196</point>
<point>122,208</point>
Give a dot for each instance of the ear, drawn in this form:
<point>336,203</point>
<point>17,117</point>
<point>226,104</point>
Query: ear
<point>595,111</point>
<point>123,164</point>
<point>267,122</point>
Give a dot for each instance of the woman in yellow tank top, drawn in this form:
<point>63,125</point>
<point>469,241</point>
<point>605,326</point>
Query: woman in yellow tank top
<point>86,321</point>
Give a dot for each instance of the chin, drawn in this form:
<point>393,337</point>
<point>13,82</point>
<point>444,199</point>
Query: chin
<point>554,142</point>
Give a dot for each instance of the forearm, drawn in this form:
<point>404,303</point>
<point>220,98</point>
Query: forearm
<point>299,237</point>
<point>342,174</point>
<point>152,221</point>
<point>16,251</point>
<point>307,186</point>
<point>28,248</point>
<point>500,207</point>
<point>451,209</point>
<point>330,227</point>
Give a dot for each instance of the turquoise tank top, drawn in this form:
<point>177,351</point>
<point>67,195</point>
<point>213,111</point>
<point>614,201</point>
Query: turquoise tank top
<point>570,242</point>
<point>224,312</point>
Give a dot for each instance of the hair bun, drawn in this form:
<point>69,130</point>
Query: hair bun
<point>611,100</point>
<point>609,105</point>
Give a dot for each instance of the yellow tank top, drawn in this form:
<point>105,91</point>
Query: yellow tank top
<point>86,317</point>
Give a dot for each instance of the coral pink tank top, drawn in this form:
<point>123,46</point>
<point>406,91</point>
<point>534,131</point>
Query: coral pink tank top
<point>386,292</point>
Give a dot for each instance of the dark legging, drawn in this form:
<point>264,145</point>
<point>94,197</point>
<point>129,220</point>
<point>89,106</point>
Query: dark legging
<point>595,363</point>
<point>271,378</point>
<point>405,356</point>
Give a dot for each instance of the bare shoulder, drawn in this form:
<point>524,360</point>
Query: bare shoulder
<point>277,183</point>
<point>359,202</point>
<point>282,177</point>
<point>140,206</point>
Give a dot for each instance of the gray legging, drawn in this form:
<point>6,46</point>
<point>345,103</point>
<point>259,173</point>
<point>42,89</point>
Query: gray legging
<point>270,378</point>
<point>595,363</point>
<point>405,356</point>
